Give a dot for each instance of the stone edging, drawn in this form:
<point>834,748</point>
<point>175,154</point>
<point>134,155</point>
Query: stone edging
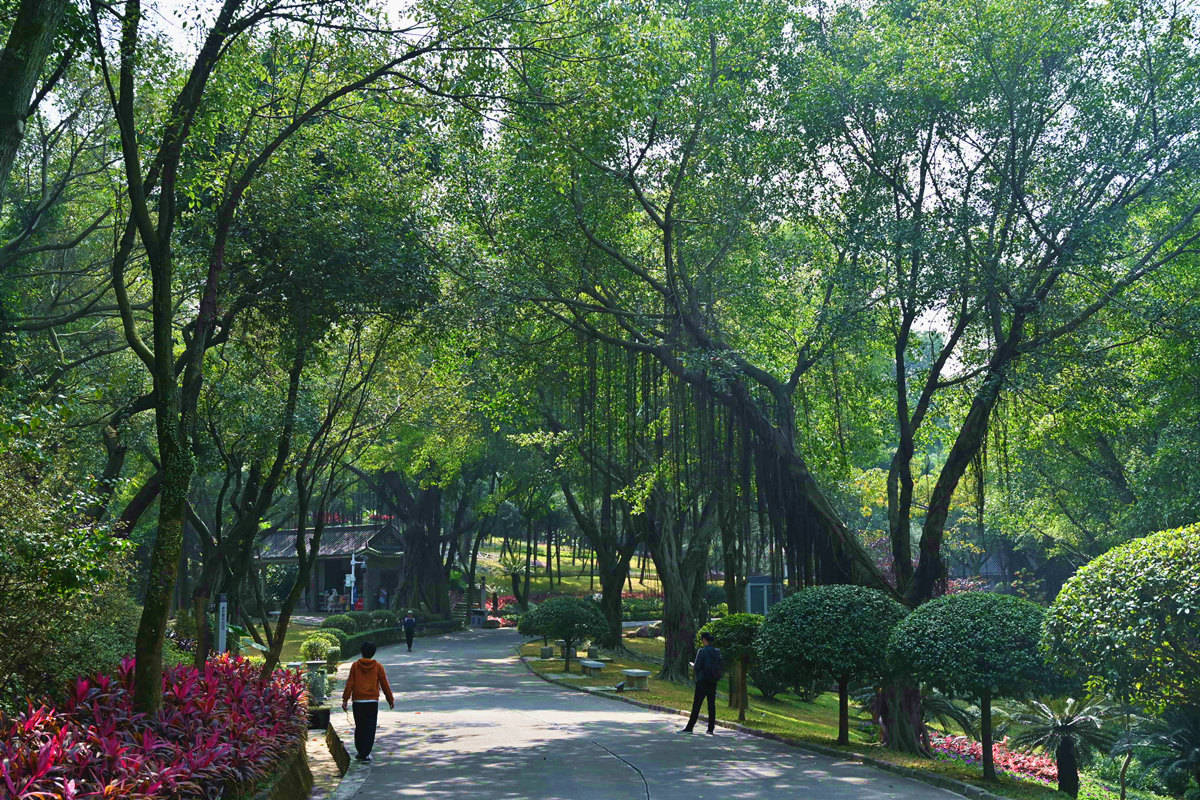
<point>940,781</point>
<point>354,773</point>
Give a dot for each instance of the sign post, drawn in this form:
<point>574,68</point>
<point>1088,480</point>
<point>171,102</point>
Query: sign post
<point>222,622</point>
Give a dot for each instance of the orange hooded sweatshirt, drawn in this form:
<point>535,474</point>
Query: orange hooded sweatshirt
<point>364,681</point>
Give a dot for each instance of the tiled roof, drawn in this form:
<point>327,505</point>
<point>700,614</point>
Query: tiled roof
<point>336,541</point>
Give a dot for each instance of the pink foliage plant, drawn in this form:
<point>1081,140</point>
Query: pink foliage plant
<point>968,751</point>
<point>219,727</point>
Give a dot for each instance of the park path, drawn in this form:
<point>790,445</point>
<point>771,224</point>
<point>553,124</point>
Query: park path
<point>472,722</point>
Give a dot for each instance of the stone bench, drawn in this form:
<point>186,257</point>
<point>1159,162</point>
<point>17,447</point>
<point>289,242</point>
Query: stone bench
<point>591,667</point>
<point>636,679</point>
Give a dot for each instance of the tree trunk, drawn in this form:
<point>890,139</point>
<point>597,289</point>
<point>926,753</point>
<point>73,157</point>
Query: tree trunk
<point>930,577</point>
<point>30,42</point>
<point>897,711</point>
<point>985,726</point>
<point>843,710</point>
<point>742,691</point>
<point>1068,767</point>
<point>164,561</point>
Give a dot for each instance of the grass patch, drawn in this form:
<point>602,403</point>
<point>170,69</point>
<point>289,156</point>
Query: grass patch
<point>296,634</point>
<point>815,722</point>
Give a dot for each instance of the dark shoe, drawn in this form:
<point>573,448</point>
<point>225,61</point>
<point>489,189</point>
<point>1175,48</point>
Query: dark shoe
<point>711,732</point>
<point>685,730</point>
<point>362,758</point>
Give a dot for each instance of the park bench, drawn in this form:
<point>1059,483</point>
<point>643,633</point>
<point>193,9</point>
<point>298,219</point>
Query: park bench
<point>636,679</point>
<point>591,667</point>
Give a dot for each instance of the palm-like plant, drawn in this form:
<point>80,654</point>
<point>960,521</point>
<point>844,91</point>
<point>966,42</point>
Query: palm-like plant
<point>1173,743</point>
<point>1069,728</point>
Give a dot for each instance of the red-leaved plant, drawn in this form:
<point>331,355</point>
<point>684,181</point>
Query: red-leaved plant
<point>219,727</point>
<point>969,751</point>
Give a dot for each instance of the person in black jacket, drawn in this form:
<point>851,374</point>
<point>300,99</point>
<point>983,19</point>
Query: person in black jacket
<point>708,670</point>
<point>410,628</point>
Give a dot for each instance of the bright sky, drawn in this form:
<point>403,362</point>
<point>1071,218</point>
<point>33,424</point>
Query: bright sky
<point>185,21</point>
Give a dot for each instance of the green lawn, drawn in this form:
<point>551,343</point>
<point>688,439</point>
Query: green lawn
<point>296,634</point>
<point>791,718</point>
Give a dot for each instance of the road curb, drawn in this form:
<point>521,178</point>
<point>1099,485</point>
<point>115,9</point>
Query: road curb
<point>941,782</point>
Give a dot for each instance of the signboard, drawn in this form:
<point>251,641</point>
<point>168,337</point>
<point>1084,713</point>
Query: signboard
<point>222,623</point>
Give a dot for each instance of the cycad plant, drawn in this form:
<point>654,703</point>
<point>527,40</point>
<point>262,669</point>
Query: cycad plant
<point>1173,743</point>
<point>1067,727</point>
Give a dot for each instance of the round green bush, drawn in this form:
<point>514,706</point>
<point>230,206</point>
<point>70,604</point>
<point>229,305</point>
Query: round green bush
<point>1130,620</point>
<point>335,644</point>
<point>339,635</point>
<point>734,635</point>
<point>568,618</point>
<point>383,618</point>
<point>978,644</point>
<point>360,620</point>
<point>315,648</point>
<point>838,633</point>
<point>343,621</point>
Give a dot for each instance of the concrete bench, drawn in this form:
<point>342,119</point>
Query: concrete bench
<point>636,679</point>
<point>591,667</point>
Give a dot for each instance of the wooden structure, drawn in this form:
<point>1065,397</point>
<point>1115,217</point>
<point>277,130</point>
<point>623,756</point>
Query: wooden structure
<point>377,550</point>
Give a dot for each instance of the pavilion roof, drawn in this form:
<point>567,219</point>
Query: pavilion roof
<point>337,541</point>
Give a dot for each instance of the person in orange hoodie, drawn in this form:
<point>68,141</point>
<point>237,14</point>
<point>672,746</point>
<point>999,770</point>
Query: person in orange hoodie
<point>366,678</point>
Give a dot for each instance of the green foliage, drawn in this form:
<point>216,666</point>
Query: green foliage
<point>65,609</point>
<point>971,643</point>
<point>343,621</point>
<point>828,632</point>
<point>1130,620</point>
<point>360,620</point>
<point>339,635</point>
<point>315,648</point>
<point>1066,728</point>
<point>382,618</point>
<point>568,618</point>
<point>333,642</point>
<point>734,635</point>
<point>1172,744</point>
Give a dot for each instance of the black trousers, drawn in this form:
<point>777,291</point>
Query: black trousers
<point>704,689</point>
<point>408,637</point>
<point>366,716</point>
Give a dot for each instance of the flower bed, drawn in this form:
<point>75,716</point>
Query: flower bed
<point>220,727</point>
<point>969,751</point>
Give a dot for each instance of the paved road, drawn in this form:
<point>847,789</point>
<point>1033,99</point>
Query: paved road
<point>472,723</point>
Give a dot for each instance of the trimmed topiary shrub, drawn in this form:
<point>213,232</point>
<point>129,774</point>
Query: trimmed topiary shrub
<point>315,648</point>
<point>568,618</point>
<point>839,633</point>
<point>361,621</point>
<point>980,645</point>
<point>734,637</point>
<point>1129,621</point>
<point>339,635</point>
<point>335,645</point>
<point>343,621</point>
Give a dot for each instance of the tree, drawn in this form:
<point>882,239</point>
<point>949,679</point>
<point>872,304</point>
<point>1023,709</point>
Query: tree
<point>838,632</point>
<point>977,644</point>
<point>287,95</point>
<point>568,618</point>
<point>734,637</point>
<point>30,42</point>
<point>1130,621</point>
<point>1066,727</point>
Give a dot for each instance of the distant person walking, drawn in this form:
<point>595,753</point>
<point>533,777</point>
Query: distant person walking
<point>708,670</point>
<point>383,598</point>
<point>410,628</point>
<point>366,678</point>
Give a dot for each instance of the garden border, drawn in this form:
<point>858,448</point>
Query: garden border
<point>940,781</point>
